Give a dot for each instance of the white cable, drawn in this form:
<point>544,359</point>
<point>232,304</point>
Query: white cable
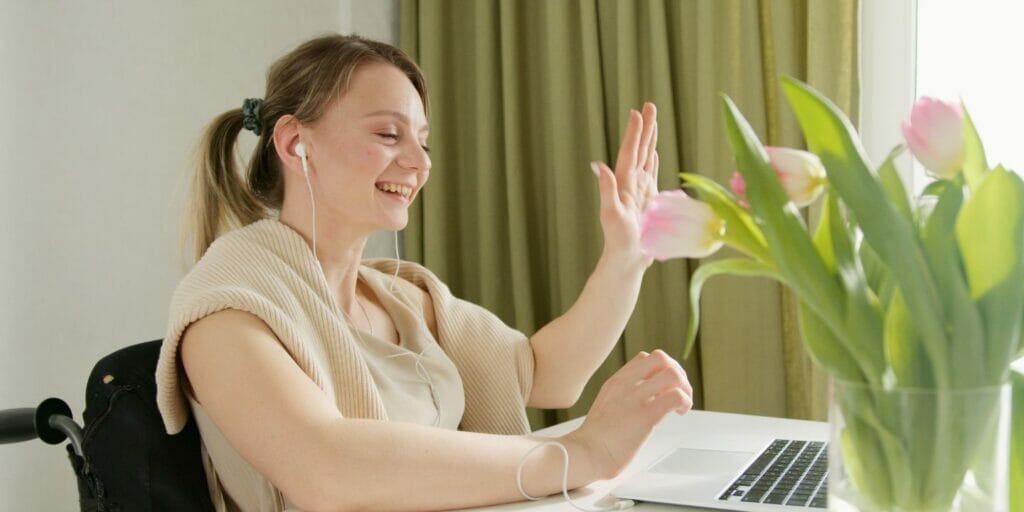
<point>397,261</point>
<point>424,376</point>
<point>312,204</point>
<point>619,505</point>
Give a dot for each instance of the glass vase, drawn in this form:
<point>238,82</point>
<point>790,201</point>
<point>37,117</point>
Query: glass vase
<point>916,450</point>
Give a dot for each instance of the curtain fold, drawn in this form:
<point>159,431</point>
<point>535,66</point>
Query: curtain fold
<point>525,93</point>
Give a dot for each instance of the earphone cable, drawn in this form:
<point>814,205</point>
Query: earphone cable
<point>398,263</point>
<point>619,505</point>
<point>312,204</point>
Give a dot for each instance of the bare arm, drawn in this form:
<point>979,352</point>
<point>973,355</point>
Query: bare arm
<point>568,350</point>
<point>292,433</point>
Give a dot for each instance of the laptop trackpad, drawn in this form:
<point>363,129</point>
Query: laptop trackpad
<point>707,463</point>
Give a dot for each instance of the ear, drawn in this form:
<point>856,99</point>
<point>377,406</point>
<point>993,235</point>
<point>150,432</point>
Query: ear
<point>287,133</point>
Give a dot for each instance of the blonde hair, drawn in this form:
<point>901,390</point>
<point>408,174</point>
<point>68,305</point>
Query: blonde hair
<point>303,83</point>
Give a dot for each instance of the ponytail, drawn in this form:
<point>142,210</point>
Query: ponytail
<point>219,199</point>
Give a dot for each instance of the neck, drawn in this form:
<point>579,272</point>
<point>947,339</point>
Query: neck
<point>339,252</point>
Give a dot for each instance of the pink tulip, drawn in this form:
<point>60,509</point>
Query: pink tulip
<point>935,136</point>
<point>801,173</point>
<point>739,187</point>
<point>678,226</point>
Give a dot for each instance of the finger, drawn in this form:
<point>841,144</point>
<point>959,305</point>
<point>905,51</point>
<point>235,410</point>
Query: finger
<point>649,188</point>
<point>673,399</point>
<point>686,405</point>
<point>608,186</point>
<point>637,360</point>
<point>650,114</point>
<point>652,149</point>
<point>686,385</point>
<point>654,171</point>
<point>660,383</point>
<point>633,371</point>
<point>661,363</point>
<point>625,163</point>
<point>656,362</point>
<point>667,379</point>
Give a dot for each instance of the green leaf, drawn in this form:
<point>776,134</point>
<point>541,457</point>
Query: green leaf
<point>962,317</point>
<point>791,248</point>
<point>903,346</point>
<point>823,235</point>
<point>842,246</point>
<point>862,457</point>
<point>975,165</point>
<point>836,251</point>
<point>825,348</point>
<point>831,136</point>
<point>990,234</point>
<point>741,231</point>
<point>733,266</point>
<point>986,231</point>
<point>877,273</point>
<point>1002,325</point>
<point>893,184</point>
<point>935,188</point>
<point>1017,443</point>
<point>861,307</point>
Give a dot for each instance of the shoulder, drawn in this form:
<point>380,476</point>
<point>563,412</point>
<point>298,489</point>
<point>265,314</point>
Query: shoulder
<point>263,258</point>
<point>206,342</point>
<point>266,241</point>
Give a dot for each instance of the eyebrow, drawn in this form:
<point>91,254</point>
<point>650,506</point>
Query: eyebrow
<point>392,113</point>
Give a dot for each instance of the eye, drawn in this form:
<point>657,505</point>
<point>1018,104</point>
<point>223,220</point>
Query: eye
<point>392,136</point>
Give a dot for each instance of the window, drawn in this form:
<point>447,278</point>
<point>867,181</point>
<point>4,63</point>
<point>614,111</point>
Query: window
<point>971,49</point>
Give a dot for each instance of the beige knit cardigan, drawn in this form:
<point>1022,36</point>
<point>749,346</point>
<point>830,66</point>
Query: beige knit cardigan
<point>268,270</point>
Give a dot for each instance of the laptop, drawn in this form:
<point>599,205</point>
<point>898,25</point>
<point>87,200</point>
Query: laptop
<point>784,475</point>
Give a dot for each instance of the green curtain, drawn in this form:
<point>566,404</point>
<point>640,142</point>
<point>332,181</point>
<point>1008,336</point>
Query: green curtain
<point>525,93</point>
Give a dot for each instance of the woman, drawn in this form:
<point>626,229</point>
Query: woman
<point>290,351</point>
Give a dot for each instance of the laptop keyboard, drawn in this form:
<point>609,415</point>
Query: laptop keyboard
<point>793,473</point>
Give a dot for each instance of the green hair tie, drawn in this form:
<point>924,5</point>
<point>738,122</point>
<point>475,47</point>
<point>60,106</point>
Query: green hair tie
<point>251,108</point>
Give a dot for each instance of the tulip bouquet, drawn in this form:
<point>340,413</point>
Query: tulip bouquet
<point>895,295</point>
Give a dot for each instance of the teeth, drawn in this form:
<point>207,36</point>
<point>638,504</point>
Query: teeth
<point>397,189</point>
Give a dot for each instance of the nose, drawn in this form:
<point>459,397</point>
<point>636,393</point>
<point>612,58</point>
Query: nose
<point>414,157</point>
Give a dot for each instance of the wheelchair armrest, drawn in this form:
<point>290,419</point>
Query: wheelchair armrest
<point>51,422</point>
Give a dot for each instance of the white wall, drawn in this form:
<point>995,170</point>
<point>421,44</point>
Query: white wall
<point>101,104</point>
<point>887,65</point>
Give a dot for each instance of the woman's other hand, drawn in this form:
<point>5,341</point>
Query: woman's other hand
<point>630,404</point>
<point>627,191</point>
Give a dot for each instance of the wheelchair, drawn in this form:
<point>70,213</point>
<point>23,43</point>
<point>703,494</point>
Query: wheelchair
<point>122,457</point>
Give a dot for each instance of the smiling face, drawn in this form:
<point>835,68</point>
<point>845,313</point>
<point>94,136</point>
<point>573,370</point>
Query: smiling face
<point>367,153</point>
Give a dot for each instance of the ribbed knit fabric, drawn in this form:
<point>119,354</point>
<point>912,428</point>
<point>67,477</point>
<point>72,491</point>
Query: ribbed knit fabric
<point>268,270</point>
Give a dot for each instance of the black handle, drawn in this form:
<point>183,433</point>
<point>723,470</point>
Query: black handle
<point>17,425</point>
<point>25,424</point>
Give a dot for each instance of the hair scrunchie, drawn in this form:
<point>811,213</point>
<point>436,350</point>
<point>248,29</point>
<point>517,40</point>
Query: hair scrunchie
<point>251,108</point>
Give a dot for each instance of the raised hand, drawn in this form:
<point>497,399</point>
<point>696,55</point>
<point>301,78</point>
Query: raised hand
<point>627,191</point>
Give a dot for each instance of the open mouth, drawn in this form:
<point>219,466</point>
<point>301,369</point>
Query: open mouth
<point>403,191</point>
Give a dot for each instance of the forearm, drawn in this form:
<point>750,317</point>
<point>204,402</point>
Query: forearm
<point>571,347</point>
<point>374,465</point>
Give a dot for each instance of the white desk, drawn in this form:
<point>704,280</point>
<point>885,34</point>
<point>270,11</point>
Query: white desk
<point>693,430</point>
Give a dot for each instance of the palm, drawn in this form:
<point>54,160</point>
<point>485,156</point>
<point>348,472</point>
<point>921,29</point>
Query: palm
<point>628,190</point>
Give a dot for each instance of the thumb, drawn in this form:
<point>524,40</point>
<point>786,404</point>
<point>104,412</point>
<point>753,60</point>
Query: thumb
<point>607,185</point>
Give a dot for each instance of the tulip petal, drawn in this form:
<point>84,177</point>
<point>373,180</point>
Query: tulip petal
<point>675,225</point>
<point>935,135</point>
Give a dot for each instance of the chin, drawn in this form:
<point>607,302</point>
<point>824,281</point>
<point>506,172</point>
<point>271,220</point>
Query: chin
<point>395,224</point>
